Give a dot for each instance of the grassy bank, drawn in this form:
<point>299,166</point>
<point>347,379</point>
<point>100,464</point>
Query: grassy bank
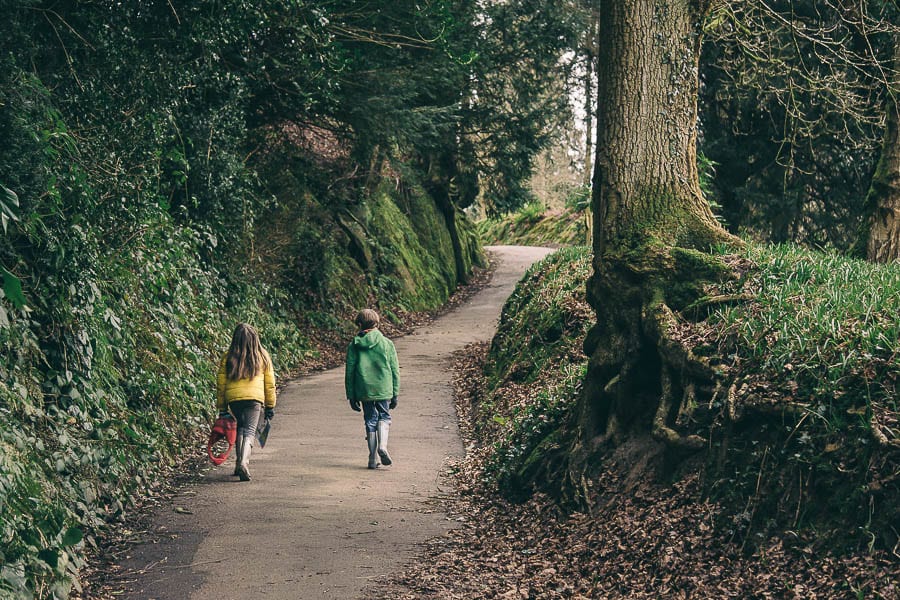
<point>802,426</point>
<point>536,225</point>
<point>794,496</point>
<point>806,426</point>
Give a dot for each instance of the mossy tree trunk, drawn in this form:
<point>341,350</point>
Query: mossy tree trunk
<point>443,184</point>
<point>652,226</point>
<point>448,209</point>
<point>882,237</point>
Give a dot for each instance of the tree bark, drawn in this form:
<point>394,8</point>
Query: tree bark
<point>442,185</point>
<point>645,175</point>
<point>590,62</point>
<point>652,226</point>
<point>883,240</point>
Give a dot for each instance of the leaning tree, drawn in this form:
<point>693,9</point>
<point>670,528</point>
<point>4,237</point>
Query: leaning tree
<point>653,227</point>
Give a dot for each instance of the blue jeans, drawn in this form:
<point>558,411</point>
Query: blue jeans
<point>374,411</point>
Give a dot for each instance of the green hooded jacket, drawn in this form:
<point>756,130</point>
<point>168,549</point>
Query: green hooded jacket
<point>372,372</point>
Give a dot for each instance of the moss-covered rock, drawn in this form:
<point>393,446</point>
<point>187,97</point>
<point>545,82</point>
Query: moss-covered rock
<point>412,249</point>
<point>387,244</point>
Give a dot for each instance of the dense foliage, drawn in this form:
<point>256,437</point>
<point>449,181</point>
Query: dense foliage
<point>792,115</point>
<point>168,169</point>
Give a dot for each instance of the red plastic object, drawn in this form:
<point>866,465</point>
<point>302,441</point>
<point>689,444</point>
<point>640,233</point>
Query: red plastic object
<point>224,428</point>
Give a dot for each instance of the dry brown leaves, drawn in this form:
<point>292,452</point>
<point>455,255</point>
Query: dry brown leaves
<point>640,540</point>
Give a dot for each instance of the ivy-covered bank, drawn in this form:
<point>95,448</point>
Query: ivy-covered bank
<point>168,170</point>
<point>122,283</point>
<point>109,342</point>
<point>532,374</point>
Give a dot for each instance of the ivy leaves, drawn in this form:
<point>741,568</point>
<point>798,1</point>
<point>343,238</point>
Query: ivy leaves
<point>12,287</point>
<point>8,201</point>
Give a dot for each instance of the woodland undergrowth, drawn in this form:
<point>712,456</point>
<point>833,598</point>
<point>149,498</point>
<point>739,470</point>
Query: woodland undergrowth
<point>794,495</point>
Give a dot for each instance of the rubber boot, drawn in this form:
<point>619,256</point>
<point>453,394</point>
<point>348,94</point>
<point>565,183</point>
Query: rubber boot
<point>244,466</point>
<point>372,439</point>
<point>237,455</point>
<point>383,429</point>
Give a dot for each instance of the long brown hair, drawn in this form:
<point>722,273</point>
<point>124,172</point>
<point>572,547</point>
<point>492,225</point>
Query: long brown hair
<point>246,356</point>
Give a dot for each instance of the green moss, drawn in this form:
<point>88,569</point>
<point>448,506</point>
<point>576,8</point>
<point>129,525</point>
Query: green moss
<point>545,314</point>
<point>472,252</point>
<point>430,227</point>
<point>411,277</point>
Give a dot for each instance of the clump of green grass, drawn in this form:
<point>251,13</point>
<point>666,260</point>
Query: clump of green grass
<point>822,326</point>
<point>534,225</point>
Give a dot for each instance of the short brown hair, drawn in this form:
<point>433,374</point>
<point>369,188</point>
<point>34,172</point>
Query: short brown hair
<point>367,319</point>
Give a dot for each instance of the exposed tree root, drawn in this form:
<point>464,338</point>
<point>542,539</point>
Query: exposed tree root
<point>717,300</point>
<point>664,433</point>
<point>741,400</point>
<point>681,371</point>
<point>881,438</point>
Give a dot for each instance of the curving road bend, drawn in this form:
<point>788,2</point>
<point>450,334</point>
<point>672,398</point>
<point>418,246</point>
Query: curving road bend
<point>314,522</point>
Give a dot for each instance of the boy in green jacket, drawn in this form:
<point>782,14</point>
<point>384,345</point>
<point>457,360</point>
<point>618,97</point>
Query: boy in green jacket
<point>372,382</point>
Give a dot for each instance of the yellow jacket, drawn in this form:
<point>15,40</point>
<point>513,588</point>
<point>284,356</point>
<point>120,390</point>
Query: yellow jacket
<point>261,387</point>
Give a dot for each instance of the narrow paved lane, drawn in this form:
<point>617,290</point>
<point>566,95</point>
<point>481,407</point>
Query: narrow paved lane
<point>314,522</point>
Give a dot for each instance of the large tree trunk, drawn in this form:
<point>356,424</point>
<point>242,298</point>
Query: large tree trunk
<point>883,223</point>
<point>652,226</point>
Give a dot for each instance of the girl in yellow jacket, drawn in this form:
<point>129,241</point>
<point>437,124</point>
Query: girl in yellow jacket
<point>245,388</point>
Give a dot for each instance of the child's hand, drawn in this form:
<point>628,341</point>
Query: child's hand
<point>270,413</point>
<point>393,403</point>
<point>354,404</point>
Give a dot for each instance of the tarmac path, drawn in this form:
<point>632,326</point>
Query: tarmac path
<point>314,522</point>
